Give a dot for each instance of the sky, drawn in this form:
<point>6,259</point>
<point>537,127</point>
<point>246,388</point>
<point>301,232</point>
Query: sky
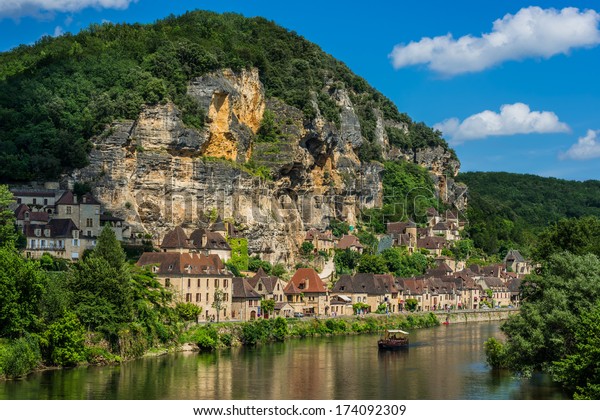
<point>513,85</point>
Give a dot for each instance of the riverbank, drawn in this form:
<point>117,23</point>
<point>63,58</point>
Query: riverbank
<point>262,331</point>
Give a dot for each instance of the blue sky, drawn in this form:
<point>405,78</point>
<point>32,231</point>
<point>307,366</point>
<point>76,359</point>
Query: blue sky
<point>513,84</point>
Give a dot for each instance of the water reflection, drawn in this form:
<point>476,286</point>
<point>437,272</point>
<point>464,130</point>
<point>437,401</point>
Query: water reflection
<point>441,363</point>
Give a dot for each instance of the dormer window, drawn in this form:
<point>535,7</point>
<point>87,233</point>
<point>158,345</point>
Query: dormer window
<point>38,232</point>
<point>47,233</point>
<point>170,267</point>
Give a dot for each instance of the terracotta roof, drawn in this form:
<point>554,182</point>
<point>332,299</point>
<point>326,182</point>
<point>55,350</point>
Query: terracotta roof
<point>243,290</point>
<point>348,241</point>
<point>311,234</point>
<point>183,263</point>
<point>306,280</point>
<point>175,239</point>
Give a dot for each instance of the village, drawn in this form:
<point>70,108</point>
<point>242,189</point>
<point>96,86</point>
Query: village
<point>193,264</point>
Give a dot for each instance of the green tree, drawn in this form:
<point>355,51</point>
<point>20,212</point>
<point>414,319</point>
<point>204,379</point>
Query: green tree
<point>218,302</point>
<point>22,285</point>
<point>345,261</point>
<point>267,306</point>
<point>101,285</point>
<point>306,248</point>
<point>64,341</point>
<point>552,331</point>
<point>188,311</point>
<point>8,233</point>
<point>411,304</point>
<point>372,264</point>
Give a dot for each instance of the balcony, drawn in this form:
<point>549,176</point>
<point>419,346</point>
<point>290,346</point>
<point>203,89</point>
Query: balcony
<point>46,248</point>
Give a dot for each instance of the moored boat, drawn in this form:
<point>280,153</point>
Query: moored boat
<point>393,339</point>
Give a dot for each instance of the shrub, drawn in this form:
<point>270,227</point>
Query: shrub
<point>188,311</point>
<point>206,338</point>
<point>20,357</point>
<point>64,343</point>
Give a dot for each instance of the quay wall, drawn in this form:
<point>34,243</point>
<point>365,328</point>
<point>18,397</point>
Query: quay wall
<point>462,317</point>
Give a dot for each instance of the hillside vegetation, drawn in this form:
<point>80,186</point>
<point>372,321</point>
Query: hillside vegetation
<point>510,210</point>
<point>61,91</point>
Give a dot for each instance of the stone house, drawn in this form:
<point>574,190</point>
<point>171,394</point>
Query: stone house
<point>307,293</point>
<point>501,295</point>
<point>433,244</point>
<point>350,242</point>
<point>244,300</point>
<point>268,287</point>
<point>202,241</point>
<point>194,278</point>
<point>59,238</point>
<point>62,225</point>
<point>322,241</point>
<point>370,289</point>
<point>515,262</point>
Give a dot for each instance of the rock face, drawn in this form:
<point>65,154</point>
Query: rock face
<point>156,173</point>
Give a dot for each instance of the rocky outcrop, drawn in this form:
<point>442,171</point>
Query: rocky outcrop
<point>156,173</point>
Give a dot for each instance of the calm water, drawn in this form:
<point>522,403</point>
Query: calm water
<point>442,363</point>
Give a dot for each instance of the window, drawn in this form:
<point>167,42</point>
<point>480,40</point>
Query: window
<point>45,201</point>
<point>259,287</point>
<point>75,242</point>
<point>32,243</point>
<point>207,297</point>
<point>225,283</point>
<point>277,286</point>
<point>89,222</point>
<point>68,210</point>
<point>188,297</point>
<point>198,297</point>
<point>34,201</point>
<point>207,285</point>
<point>189,282</point>
<point>216,282</point>
<point>198,283</point>
<point>167,282</point>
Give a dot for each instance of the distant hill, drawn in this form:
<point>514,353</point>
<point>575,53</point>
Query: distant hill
<point>507,210</point>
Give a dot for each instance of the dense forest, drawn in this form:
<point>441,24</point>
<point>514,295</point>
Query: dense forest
<point>509,210</point>
<point>557,329</point>
<point>60,92</point>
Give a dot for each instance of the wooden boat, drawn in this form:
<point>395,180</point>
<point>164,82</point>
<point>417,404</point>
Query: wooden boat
<point>393,339</point>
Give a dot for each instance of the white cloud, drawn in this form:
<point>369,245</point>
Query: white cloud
<point>58,31</point>
<point>587,147</point>
<point>19,8</point>
<point>531,32</point>
<point>512,119</point>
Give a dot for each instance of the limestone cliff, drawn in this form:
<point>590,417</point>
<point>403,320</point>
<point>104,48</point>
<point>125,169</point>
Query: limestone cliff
<point>157,173</point>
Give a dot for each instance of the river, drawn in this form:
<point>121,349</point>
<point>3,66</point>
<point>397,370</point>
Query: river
<point>442,363</point>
